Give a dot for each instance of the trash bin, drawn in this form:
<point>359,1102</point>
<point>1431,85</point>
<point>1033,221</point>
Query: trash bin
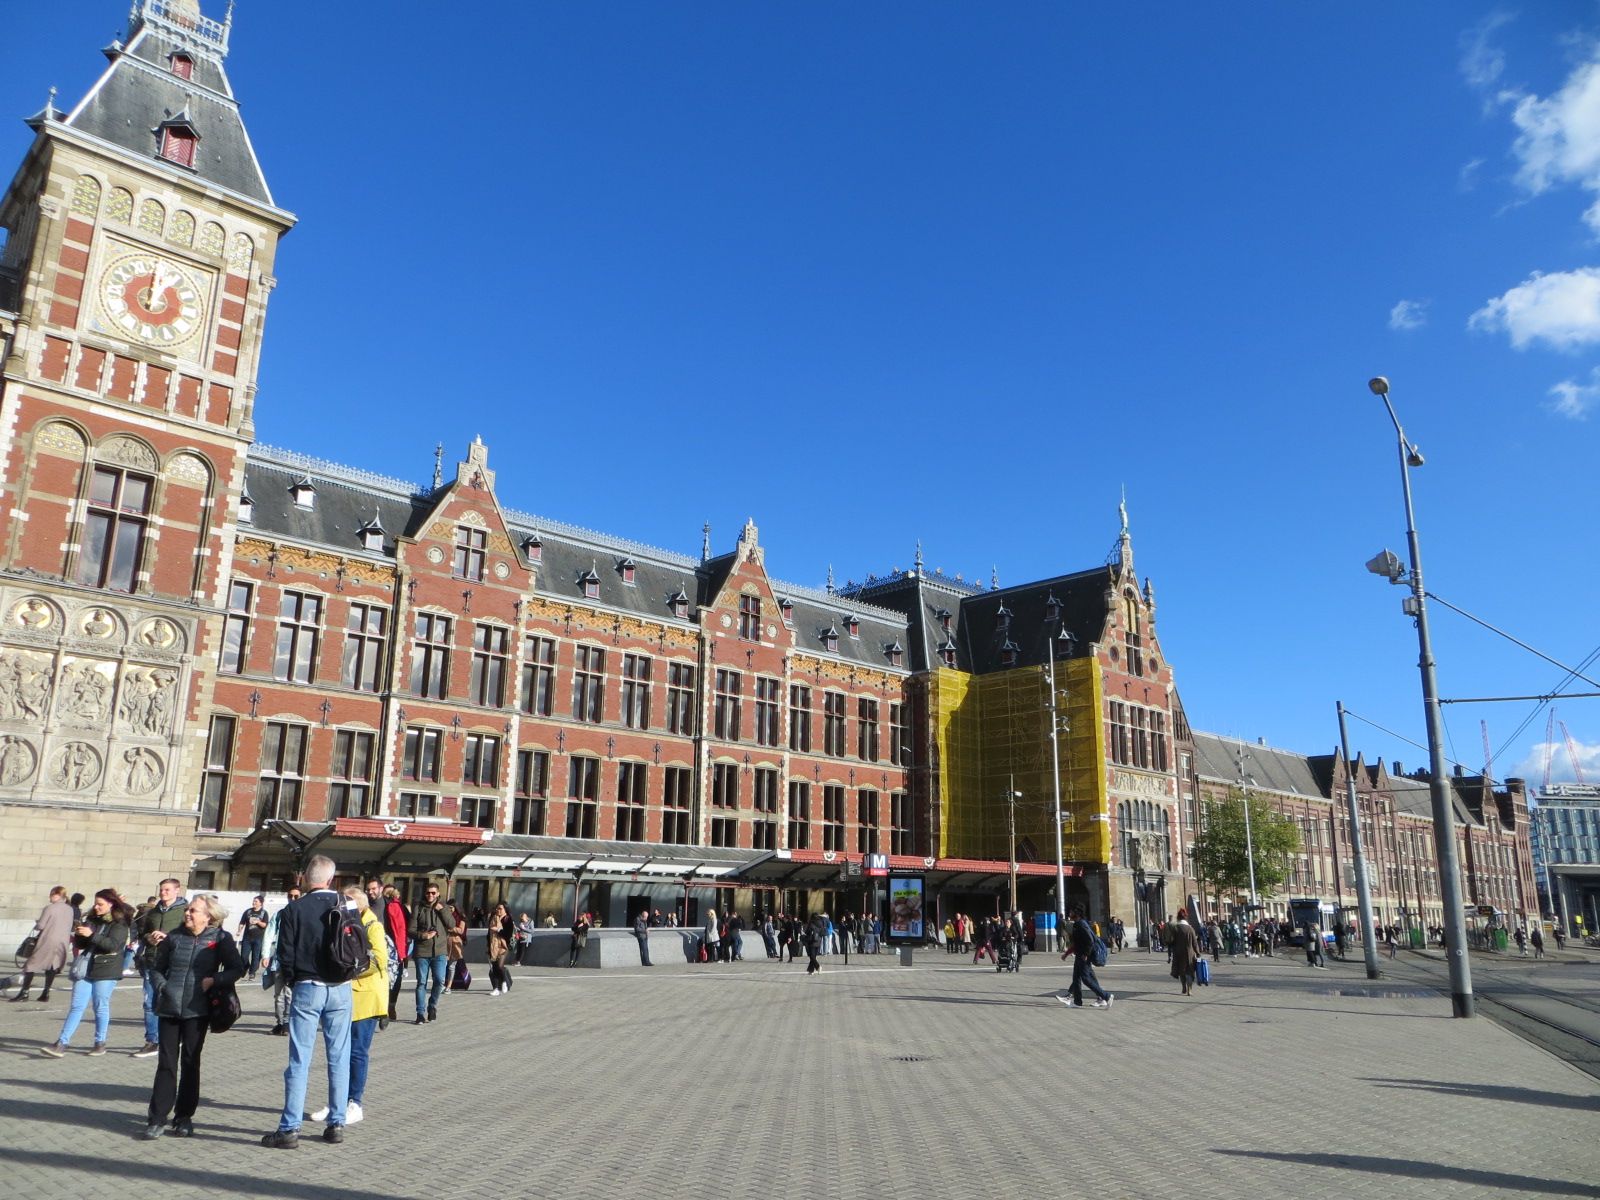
<point>1502,938</point>
<point>905,956</point>
<point>1418,939</point>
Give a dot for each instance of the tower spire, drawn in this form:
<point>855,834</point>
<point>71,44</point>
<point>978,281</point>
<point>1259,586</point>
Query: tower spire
<point>705,542</point>
<point>438,466</point>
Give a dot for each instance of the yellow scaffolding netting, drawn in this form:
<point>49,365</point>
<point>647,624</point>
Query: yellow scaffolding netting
<point>992,736</point>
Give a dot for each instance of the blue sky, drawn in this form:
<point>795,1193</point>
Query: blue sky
<point>875,273</point>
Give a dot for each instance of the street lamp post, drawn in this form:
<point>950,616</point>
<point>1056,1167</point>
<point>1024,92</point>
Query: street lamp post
<point>1444,832</point>
<point>1369,939</point>
<point>1012,796</point>
<point>1249,841</point>
<point>1055,777</point>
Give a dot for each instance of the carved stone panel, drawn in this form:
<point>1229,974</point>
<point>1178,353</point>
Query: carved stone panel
<point>158,633</point>
<point>34,614</point>
<point>76,767</point>
<point>83,696</point>
<point>17,761</point>
<point>25,684</point>
<point>148,695</point>
<point>98,623</point>
<point>142,771</point>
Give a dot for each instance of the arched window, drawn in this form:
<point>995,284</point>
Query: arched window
<point>152,217</point>
<point>86,196</point>
<point>180,230</point>
<point>210,239</point>
<point>119,207</point>
<point>117,512</point>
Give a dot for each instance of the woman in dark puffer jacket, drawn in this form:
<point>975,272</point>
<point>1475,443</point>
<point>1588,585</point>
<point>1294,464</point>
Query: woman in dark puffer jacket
<point>189,964</point>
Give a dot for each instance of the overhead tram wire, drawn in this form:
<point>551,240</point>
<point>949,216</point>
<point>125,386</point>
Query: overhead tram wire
<point>1554,692</point>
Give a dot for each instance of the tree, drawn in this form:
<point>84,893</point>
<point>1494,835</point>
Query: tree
<point>1220,857</point>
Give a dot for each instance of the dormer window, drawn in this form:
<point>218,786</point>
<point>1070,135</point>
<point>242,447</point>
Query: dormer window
<point>854,626</point>
<point>371,535</point>
<point>304,493</point>
<point>1008,654</point>
<point>1002,618</point>
<point>947,654</point>
<point>895,652</point>
<point>1052,607</point>
<point>533,548</point>
<point>591,584</point>
<point>679,601</point>
<point>786,611</point>
<point>178,142</point>
<point>830,639</point>
<point>182,66</point>
<point>626,569</point>
<point>944,617</point>
<point>247,509</point>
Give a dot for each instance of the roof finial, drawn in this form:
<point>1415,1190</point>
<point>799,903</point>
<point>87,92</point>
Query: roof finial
<point>994,579</point>
<point>438,466</point>
<point>705,542</point>
<point>50,109</point>
<point>1122,510</point>
<point>830,588</point>
<point>916,564</point>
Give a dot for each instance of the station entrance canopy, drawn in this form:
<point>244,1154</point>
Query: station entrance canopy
<point>830,869</point>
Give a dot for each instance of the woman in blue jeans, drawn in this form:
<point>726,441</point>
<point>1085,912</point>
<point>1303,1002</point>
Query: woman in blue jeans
<point>101,938</point>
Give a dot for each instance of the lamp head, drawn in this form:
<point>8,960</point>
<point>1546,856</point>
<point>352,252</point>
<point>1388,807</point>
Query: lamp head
<point>1413,456</point>
<point>1387,563</point>
<point>1378,385</point>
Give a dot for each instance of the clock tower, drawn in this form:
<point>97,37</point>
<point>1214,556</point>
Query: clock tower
<point>140,236</point>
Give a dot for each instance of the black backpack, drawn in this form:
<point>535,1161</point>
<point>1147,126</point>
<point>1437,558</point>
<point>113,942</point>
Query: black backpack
<point>347,951</point>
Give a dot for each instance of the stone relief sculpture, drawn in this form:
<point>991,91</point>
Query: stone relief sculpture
<point>159,634</point>
<point>77,766</point>
<point>84,694</point>
<point>16,761</point>
<point>147,699</point>
<point>24,686</point>
<point>34,614</point>
<point>98,623</point>
<point>143,772</point>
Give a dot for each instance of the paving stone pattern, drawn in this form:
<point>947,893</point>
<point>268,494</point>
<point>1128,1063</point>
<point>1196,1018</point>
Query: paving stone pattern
<point>751,1080</point>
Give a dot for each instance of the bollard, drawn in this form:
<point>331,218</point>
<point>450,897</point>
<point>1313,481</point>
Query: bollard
<point>905,956</point>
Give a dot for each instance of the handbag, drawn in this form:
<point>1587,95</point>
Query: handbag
<point>224,1004</point>
<point>29,945</point>
<point>79,970</point>
<point>463,978</point>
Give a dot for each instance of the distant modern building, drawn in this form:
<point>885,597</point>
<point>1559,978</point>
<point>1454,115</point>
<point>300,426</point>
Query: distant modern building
<point>1566,836</point>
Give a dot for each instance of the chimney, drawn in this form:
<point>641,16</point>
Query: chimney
<point>1398,769</point>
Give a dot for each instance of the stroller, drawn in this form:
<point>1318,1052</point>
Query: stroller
<point>1005,958</point>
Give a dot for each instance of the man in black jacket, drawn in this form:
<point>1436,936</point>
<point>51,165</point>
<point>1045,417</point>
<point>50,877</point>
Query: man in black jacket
<point>315,1003</point>
<point>1083,965</point>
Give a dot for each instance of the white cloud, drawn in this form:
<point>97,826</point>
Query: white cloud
<point>1558,139</point>
<point>1561,309</point>
<point>1467,177</point>
<point>1574,400</point>
<point>1409,314</point>
<point>1482,62</point>
<point>1531,768</point>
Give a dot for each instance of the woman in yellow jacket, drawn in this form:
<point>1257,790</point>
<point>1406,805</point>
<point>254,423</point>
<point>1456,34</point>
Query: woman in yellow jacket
<point>369,1000</point>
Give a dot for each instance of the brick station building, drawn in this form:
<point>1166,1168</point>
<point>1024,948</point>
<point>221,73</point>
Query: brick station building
<point>217,657</point>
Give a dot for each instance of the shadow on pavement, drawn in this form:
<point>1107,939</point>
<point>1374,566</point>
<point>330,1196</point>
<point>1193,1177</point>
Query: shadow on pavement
<point>171,1175</point>
<point>128,1096</point>
<point>1493,1091</point>
<point>1422,1169</point>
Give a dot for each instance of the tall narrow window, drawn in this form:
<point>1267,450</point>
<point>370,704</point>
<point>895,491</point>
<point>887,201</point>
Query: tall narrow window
<point>900,824</point>
<point>724,785</point>
<point>350,782</point>
<point>750,618</point>
<point>767,691</point>
<point>283,761</point>
<point>114,529</point>
<point>420,760</point>
<point>832,817</point>
<point>366,635</point>
<point>867,729</point>
<point>219,766</point>
<point>480,761</point>
<point>430,656</point>
<point>764,829</point>
<point>799,815</point>
<point>1132,642</point>
<point>725,723</point>
<point>235,630</point>
<point>833,723</point>
<point>533,785</point>
<point>489,658</point>
<point>900,735</point>
<point>583,792</point>
<point>538,676</point>
<point>632,795</point>
<point>799,719</point>
<point>588,685</point>
<point>471,546</point>
<point>299,625</point>
<point>677,802</point>
<point>636,691</point>
<point>867,821</point>
<point>680,699</point>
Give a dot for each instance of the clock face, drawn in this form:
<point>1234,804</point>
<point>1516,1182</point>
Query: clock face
<point>151,299</point>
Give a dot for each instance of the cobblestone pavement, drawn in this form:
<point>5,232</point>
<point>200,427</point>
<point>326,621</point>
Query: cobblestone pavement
<point>752,1080</point>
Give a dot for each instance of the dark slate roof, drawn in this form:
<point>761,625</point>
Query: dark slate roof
<point>1082,599</point>
<point>139,91</point>
<point>920,597</point>
<point>1265,767</point>
<point>342,506</point>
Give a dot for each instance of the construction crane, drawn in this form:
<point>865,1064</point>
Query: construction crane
<point>1572,753</point>
<point>1549,749</point>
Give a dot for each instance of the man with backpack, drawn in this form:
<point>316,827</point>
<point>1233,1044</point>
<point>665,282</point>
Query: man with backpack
<point>1086,948</point>
<point>314,954</point>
